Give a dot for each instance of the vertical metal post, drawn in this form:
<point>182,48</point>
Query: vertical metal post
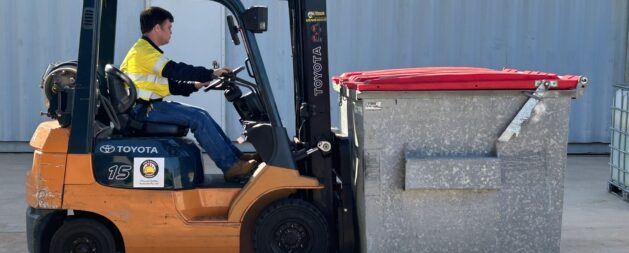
<point>312,98</point>
<point>627,47</point>
<point>107,38</point>
<point>84,95</point>
<point>622,168</point>
<point>615,136</point>
<point>106,48</point>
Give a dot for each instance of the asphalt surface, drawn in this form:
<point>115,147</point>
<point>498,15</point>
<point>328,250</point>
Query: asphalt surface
<point>593,220</point>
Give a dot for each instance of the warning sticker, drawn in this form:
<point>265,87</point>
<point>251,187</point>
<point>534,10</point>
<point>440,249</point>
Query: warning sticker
<point>373,106</point>
<point>148,172</point>
<point>315,16</point>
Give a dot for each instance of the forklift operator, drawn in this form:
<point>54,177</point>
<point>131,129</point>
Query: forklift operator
<point>157,77</point>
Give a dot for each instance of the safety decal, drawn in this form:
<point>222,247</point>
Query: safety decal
<point>315,16</point>
<point>148,172</point>
<point>373,106</point>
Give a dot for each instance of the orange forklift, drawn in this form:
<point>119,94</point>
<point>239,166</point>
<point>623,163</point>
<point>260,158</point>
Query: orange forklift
<point>103,182</point>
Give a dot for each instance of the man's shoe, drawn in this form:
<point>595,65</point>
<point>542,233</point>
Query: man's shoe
<point>250,156</point>
<point>239,170</point>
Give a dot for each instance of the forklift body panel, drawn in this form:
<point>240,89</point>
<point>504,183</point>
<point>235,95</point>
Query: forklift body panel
<point>197,219</point>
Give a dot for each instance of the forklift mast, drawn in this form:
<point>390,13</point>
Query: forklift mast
<point>309,39</point>
<point>312,98</point>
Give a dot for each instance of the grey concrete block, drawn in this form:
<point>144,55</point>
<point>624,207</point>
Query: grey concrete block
<point>432,177</point>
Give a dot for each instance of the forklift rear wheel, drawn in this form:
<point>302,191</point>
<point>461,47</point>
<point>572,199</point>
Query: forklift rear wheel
<point>291,225</point>
<point>82,236</point>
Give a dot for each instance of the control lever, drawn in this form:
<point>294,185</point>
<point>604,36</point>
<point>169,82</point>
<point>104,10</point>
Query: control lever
<point>303,153</point>
<point>213,85</point>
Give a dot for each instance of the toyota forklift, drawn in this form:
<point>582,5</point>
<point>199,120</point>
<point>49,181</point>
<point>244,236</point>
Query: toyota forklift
<point>103,182</point>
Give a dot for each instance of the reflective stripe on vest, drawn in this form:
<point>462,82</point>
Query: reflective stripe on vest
<point>141,79</point>
<point>159,65</point>
<point>147,95</point>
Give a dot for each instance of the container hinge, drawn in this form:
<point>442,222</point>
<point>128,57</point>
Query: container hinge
<point>342,96</point>
<point>527,109</point>
<point>581,86</point>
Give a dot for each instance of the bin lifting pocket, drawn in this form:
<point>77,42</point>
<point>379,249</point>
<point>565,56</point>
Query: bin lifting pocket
<point>452,173</point>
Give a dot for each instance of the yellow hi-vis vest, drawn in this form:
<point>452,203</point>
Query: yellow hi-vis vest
<point>144,65</point>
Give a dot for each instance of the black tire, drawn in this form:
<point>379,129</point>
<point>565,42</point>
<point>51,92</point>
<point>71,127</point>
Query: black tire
<point>82,235</point>
<point>291,225</point>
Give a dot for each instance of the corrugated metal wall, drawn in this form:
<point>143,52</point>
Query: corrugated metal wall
<point>35,34</point>
<point>562,36</point>
<point>32,35</point>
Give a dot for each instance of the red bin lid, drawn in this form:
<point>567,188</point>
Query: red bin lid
<point>449,78</point>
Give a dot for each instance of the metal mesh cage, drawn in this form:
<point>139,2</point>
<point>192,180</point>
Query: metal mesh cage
<point>619,155</point>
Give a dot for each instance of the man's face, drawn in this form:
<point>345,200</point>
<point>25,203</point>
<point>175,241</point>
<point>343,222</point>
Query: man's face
<point>164,31</point>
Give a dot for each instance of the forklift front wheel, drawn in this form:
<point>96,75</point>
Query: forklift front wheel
<point>291,225</point>
<point>82,235</point>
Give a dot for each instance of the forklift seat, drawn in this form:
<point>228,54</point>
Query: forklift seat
<point>122,98</point>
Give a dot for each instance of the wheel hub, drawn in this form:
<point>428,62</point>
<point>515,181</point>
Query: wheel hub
<point>83,245</point>
<point>291,236</point>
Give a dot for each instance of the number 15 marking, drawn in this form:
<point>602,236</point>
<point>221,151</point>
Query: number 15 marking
<point>121,172</point>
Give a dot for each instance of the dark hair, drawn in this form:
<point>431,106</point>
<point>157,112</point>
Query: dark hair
<point>153,16</point>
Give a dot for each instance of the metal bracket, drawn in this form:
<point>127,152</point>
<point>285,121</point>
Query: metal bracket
<point>548,83</point>
<point>342,95</point>
<point>527,110</point>
<point>324,146</point>
<point>581,86</point>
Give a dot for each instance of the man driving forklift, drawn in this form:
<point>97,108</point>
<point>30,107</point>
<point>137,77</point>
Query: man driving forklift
<point>156,77</point>
<point>102,182</point>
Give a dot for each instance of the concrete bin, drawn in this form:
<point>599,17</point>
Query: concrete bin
<point>458,159</point>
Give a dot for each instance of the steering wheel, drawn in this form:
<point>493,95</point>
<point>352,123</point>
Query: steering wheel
<point>226,78</point>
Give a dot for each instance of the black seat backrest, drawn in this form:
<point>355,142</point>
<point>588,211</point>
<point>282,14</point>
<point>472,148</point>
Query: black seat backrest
<point>122,91</point>
<point>122,96</point>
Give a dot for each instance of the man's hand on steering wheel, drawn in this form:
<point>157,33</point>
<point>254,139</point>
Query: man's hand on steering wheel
<point>221,76</point>
<point>199,85</point>
<point>221,72</point>
<point>217,82</point>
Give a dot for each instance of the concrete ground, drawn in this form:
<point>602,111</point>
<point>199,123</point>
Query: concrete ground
<point>593,221</point>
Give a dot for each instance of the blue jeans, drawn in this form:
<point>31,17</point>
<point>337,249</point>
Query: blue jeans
<point>204,128</point>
